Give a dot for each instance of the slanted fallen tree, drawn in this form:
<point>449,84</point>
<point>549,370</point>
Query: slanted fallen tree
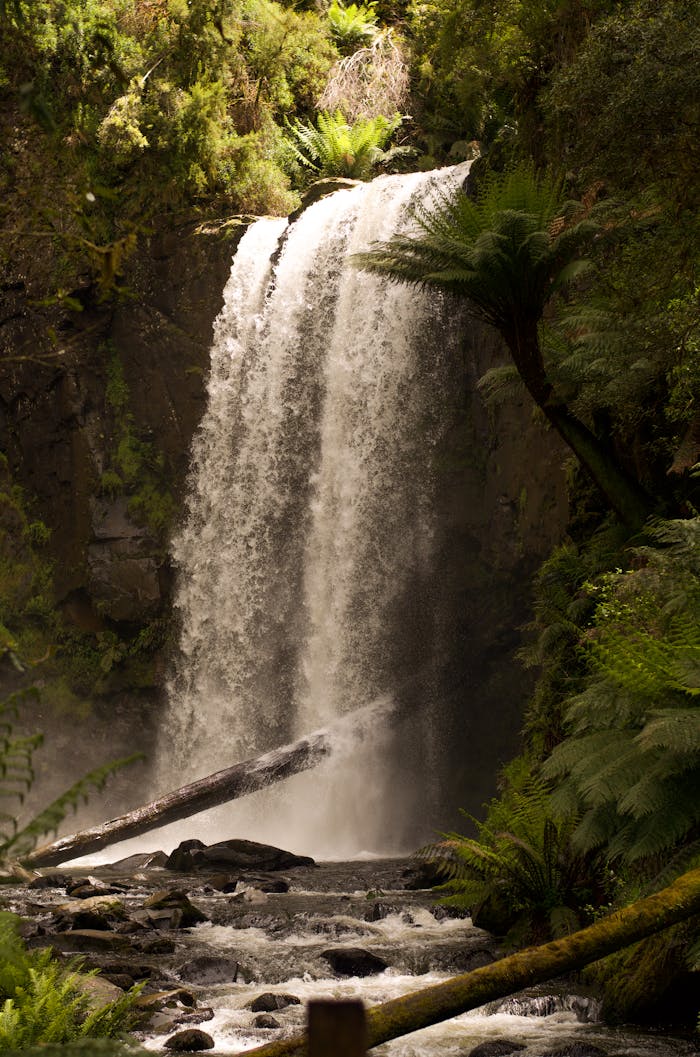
<point>419,1009</point>
<point>219,788</point>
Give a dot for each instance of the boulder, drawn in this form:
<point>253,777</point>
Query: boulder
<point>195,1016</point>
<point>100,992</point>
<point>89,940</point>
<point>379,911</point>
<point>265,1020</point>
<point>245,855</point>
<point>354,961</point>
<point>209,969</point>
<point>269,1001</point>
<point>143,861</point>
<point>156,945</point>
<point>189,1041</point>
<point>101,912</point>
<point>171,909</point>
<point>180,860</point>
<point>51,880</point>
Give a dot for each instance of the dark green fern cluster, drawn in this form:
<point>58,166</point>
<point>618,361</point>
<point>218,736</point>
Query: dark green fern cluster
<point>520,869</point>
<point>630,761</point>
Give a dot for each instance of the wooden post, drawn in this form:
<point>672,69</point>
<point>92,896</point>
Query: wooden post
<point>337,1028</point>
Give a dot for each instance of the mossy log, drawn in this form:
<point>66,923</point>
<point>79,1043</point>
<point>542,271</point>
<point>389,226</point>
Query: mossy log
<point>219,788</point>
<point>420,1009</point>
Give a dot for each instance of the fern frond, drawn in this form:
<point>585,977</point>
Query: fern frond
<point>48,820</point>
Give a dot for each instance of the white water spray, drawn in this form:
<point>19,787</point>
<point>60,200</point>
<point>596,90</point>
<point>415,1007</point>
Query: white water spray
<point>305,558</point>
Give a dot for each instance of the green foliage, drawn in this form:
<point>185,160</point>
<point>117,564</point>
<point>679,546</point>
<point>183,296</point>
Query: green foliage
<point>27,612</point>
<point>122,109</point>
<point>43,1001</point>
<point>335,148</point>
<point>17,776</point>
<point>644,55</point>
<point>482,67</point>
<point>631,759</point>
<point>352,26</point>
<point>521,864</point>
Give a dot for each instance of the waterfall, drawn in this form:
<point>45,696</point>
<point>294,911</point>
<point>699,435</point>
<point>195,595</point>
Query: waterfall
<point>304,561</point>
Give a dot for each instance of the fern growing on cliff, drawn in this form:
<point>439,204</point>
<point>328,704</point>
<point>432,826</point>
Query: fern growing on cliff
<point>333,147</point>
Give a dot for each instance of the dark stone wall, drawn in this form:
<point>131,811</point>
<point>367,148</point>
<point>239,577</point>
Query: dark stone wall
<point>55,422</point>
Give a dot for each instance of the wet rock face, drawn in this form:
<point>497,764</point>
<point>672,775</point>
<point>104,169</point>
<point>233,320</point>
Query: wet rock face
<point>55,420</point>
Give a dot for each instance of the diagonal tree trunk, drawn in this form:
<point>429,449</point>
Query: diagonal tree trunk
<point>390,1020</point>
<point>625,496</point>
<point>219,788</point>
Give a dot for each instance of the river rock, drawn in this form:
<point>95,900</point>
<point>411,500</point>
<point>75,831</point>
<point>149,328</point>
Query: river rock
<point>101,912</point>
<point>189,1041</point>
<point>265,1020</point>
<point>195,1016</point>
<point>209,969</point>
<point>227,883</point>
<point>171,909</point>
<point>496,1048</point>
<point>248,855</point>
<point>89,940</point>
<point>379,911</point>
<point>576,1049</point>
<point>180,860</point>
<point>268,1002</point>
<point>51,880</point>
<point>354,961</point>
<point>143,861</point>
<point>121,980</point>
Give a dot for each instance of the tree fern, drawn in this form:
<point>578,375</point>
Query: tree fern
<point>508,251</point>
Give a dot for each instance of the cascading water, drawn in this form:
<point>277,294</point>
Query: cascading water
<point>305,559</point>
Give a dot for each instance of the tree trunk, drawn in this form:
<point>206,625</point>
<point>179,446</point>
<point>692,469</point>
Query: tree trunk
<point>420,1009</point>
<point>218,788</point>
<point>625,495</point>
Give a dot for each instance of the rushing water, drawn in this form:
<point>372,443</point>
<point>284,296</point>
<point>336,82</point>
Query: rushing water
<point>305,558</point>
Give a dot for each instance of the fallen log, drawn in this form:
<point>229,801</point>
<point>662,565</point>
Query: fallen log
<point>219,788</point>
<point>419,1009</point>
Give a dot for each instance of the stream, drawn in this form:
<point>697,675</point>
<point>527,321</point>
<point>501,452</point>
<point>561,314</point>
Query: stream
<point>278,940</point>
